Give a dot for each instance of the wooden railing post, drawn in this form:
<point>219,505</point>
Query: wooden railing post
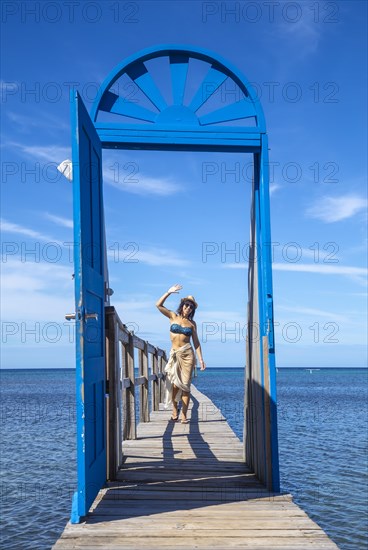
<point>155,383</point>
<point>129,430</point>
<point>143,385</point>
<point>161,366</point>
<point>119,395</point>
<point>113,418</point>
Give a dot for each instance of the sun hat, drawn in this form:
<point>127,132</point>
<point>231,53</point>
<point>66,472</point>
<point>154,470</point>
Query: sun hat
<point>190,299</point>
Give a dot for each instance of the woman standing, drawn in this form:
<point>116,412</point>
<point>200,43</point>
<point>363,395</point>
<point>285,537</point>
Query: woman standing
<point>182,360</point>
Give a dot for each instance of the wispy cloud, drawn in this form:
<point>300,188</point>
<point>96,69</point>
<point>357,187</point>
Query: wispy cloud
<point>140,315</point>
<point>298,33</point>
<point>64,222</point>
<point>325,269</point>
<point>313,312</point>
<point>224,316</point>
<point>274,187</point>
<point>157,257</point>
<point>10,227</point>
<point>35,290</point>
<point>133,253</point>
<point>128,176</point>
<point>304,32</point>
<point>357,273</point>
<point>334,209</point>
<point>141,184</point>
<point>225,326</point>
<point>26,123</point>
<point>8,87</point>
<point>44,275</point>
<point>50,153</point>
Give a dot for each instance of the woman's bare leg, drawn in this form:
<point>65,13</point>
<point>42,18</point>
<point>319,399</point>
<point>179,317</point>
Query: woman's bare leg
<point>185,399</point>
<point>174,403</point>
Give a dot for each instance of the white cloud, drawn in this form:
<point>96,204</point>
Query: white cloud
<point>64,222</point>
<point>359,274</point>
<point>313,312</point>
<point>50,153</point>
<point>135,304</point>
<point>324,269</point>
<point>154,257</point>
<point>334,209</point>
<point>8,87</point>
<point>4,84</point>
<point>48,274</point>
<point>161,257</point>
<point>10,227</point>
<point>223,326</point>
<point>140,184</point>
<point>297,32</point>
<point>27,123</point>
<point>305,32</point>
<point>274,187</point>
<point>127,176</point>
<point>36,290</point>
<point>141,316</point>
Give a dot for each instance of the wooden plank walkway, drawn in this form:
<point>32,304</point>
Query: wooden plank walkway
<point>186,486</point>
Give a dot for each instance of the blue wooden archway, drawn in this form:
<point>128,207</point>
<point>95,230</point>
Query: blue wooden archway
<point>174,125</point>
<point>133,111</point>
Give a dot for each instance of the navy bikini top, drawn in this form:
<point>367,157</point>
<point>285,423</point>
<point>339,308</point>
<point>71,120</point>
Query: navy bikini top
<point>178,329</point>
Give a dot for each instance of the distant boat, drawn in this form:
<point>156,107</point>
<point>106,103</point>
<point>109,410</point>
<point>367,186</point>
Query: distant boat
<point>311,370</point>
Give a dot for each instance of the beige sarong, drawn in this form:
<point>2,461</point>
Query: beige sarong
<point>179,371</point>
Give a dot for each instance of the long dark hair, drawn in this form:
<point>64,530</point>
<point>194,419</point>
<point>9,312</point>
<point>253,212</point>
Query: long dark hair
<point>179,311</point>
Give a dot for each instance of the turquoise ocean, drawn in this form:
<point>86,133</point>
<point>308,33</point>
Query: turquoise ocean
<point>323,433</point>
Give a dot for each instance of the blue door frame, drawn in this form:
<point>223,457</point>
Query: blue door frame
<point>172,125</point>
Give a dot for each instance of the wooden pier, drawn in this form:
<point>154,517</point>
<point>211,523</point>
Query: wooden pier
<point>187,486</point>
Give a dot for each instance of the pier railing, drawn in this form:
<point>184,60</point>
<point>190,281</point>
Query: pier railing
<point>122,382</point>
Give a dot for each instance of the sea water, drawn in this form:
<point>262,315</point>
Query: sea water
<point>322,425</point>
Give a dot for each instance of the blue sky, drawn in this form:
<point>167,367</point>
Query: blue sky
<point>185,216</point>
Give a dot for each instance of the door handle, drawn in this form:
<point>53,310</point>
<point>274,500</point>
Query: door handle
<point>91,316</point>
<point>69,316</point>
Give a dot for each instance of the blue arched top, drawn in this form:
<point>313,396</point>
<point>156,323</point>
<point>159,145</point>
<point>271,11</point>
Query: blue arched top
<point>193,115</point>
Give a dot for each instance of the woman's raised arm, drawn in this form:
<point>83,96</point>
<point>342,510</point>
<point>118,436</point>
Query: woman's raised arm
<point>159,304</point>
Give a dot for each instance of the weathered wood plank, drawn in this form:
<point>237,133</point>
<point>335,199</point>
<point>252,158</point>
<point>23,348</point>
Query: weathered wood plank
<point>189,532</point>
<point>289,515</point>
<point>205,543</point>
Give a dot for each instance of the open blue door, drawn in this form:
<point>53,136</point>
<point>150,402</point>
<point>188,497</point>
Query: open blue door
<point>89,250</point>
